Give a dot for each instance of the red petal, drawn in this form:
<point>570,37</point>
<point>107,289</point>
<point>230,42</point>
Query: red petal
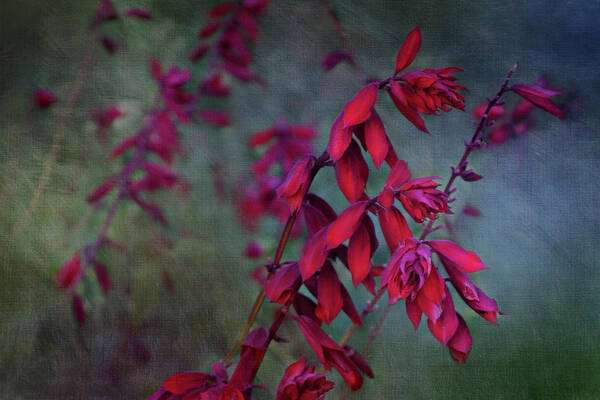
<point>279,287</point>
<point>345,225</point>
<point>314,254</point>
<point>399,175</point>
<point>408,112</point>
<point>322,206</point>
<point>358,109</point>
<point>67,275</point>
<point>461,342</point>
<point>330,295</point>
<point>359,255</point>
<point>101,191</point>
<point>102,276</point>
<point>218,118</point>
<point>339,139</point>
<point>445,326</point>
<point>349,307</point>
<point>466,261</point>
<point>124,145</point>
<point>408,51</point>
<point>394,227</point>
<point>414,312</point>
<point>352,172</point>
<point>181,382</point>
<point>376,139</point>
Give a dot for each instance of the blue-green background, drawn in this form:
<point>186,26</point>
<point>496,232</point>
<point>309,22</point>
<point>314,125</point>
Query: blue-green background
<point>539,198</point>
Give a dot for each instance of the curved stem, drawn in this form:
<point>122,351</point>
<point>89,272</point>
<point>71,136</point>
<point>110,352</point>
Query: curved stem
<point>472,145</point>
<point>366,310</point>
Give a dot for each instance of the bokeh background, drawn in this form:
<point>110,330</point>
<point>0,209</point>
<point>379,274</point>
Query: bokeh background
<point>538,233</point>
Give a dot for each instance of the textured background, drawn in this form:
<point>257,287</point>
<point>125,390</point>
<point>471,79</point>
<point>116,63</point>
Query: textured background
<point>539,232</point>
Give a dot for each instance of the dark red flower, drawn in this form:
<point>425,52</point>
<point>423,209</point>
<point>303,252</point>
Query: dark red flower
<point>213,86</point>
<point>252,353</point>
<point>44,98</point>
<point>422,91</point>
<point>358,109</point>
<point>68,274</point>
<point>352,173</point>
<point>421,198</point>
<point>330,354</point>
<point>461,342</point>
<point>539,96</point>
<point>284,282</point>
<point>300,382</point>
<point>296,184</point>
<point>102,276</point>
<point>471,294</point>
<point>199,52</point>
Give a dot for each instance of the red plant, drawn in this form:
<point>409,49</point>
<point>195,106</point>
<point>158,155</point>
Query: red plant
<point>410,273</point>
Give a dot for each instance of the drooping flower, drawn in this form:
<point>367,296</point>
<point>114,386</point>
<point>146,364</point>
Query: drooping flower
<point>68,274</point>
<point>332,355</point>
<point>296,184</point>
<point>300,382</point>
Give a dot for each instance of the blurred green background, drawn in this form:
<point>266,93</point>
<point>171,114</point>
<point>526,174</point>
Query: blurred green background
<point>538,234</point>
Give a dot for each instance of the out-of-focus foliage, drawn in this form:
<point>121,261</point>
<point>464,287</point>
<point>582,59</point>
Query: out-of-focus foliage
<point>538,233</point>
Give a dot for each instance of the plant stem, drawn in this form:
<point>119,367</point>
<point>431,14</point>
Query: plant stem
<point>283,240</point>
<point>472,145</point>
<point>366,310</point>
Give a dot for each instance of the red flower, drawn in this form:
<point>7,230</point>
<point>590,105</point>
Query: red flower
<point>422,91</point>
<point>300,382</point>
<point>213,86</point>
<point>332,355</point>
<point>539,96</point>
<point>68,274</point>
<point>79,310</point>
<point>421,198</point>
<point>283,283</point>
<point>296,184</point>
<point>407,271</point>
<point>461,342</point>
<point>471,294</point>
<point>44,98</point>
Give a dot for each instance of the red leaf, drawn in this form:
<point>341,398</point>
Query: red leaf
<point>345,225</point>
<point>359,254</point>
<point>67,275</point>
<point>540,97</point>
<point>408,112</point>
<point>339,139</point>
<point>358,109</point>
<point>102,276</point>
<point>408,51</point>
<point>376,139</point>
<point>394,227</point>
<point>314,254</point>
<point>330,295</point>
<point>181,382</point>
<point>399,175</point>
<point>466,261</point>
<point>352,172</point>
